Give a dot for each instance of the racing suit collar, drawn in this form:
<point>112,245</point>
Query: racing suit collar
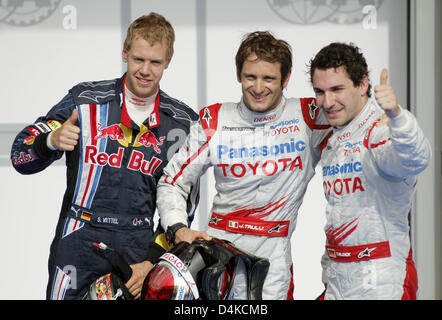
<point>258,118</point>
<point>153,120</point>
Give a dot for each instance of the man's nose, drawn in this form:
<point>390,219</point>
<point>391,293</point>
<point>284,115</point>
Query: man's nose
<point>259,86</point>
<point>145,68</point>
<point>329,100</point>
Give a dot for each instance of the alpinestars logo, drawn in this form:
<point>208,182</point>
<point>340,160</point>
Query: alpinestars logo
<point>207,117</point>
<point>366,252</point>
<point>276,228</point>
<point>312,109</point>
<point>215,220</point>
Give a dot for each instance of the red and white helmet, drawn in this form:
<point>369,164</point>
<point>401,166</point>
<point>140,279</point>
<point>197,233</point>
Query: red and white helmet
<point>204,270</point>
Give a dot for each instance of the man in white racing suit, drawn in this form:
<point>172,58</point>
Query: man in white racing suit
<point>263,150</point>
<point>370,163</point>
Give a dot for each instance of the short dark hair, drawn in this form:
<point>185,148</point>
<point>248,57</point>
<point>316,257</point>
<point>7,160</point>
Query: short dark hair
<point>267,48</point>
<point>337,55</point>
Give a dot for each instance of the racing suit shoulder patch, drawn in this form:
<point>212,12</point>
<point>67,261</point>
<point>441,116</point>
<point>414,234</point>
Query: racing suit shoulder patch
<point>309,111</point>
<point>209,119</point>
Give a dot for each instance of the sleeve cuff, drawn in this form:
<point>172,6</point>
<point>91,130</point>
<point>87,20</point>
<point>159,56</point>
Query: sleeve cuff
<point>41,148</point>
<point>48,142</point>
<point>173,216</point>
<point>401,120</point>
<point>155,252</point>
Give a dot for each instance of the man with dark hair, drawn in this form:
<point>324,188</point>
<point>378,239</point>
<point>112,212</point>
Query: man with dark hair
<point>264,150</point>
<point>116,136</point>
<point>370,167</point>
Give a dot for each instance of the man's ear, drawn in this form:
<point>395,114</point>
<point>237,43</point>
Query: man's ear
<point>124,55</point>
<point>238,76</point>
<point>167,63</point>
<point>286,80</point>
<point>363,86</point>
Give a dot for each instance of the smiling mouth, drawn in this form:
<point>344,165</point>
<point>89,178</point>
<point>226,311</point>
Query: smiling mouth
<point>144,82</point>
<point>258,97</point>
<point>332,113</point>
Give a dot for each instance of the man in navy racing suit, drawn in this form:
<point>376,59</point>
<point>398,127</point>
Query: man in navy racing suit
<point>370,167</point>
<point>117,136</point>
<point>264,150</point>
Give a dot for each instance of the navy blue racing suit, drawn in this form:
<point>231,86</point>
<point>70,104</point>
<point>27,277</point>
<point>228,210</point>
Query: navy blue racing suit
<point>111,180</point>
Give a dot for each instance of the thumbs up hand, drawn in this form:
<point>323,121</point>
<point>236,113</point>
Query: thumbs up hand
<point>386,97</point>
<point>66,137</point>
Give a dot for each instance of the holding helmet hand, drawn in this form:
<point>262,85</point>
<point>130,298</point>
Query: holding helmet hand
<point>139,273</point>
<point>189,235</point>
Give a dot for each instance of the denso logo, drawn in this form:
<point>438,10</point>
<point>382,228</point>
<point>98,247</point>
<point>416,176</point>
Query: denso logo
<point>344,136</point>
<point>264,119</point>
<point>349,167</point>
<point>224,152</point>
<point>363,122</point>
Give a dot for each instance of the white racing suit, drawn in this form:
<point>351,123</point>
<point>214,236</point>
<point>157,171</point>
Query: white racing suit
<point>262,164</point>
<point>369,174</point>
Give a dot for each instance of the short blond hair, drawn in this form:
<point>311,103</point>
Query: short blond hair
<point>152,28</point>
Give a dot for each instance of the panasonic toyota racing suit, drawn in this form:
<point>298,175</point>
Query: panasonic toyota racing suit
<point>111,179</point>
<point>262,164</point>
<point>369,174</point>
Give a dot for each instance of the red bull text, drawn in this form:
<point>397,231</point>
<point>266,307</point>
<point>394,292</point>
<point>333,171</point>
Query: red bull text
<point>136,161</point>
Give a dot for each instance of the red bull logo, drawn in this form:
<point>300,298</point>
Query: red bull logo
<point>124,136</point>
<point>113,132</point>
<point>148,139</point>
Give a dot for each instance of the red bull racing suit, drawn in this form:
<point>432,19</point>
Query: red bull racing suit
<point>369,178</point>
<point>262,164</point>
<point>111,180</point>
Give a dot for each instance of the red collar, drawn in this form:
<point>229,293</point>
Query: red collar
<point>154,118</point>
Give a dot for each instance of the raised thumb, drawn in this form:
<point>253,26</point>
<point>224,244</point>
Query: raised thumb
<point>74,117</point>
<point>384,76</point>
